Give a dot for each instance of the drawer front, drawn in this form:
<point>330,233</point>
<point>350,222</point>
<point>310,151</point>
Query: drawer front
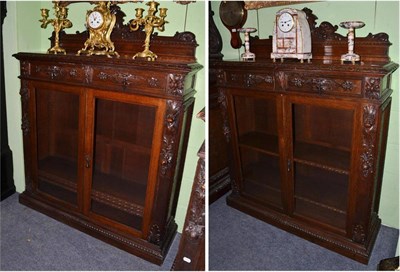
<point>321,84</point>
<point>66,72</point>
<point>256,80</point>
<point>126,80</point>
<point>159,83</point>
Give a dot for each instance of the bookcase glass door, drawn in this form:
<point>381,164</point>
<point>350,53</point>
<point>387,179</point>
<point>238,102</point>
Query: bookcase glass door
<point>256,123</point>
<point>123,138</point>
<point>57,128</point>
<point>322,144</point>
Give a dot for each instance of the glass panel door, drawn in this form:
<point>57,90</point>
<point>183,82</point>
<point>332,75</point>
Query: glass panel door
<point>57,127</point>
<point>322,143</point>
<point>256,120</point>
<point>123,137</point>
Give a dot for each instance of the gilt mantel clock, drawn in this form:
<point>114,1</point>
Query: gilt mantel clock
<point>100,23</point>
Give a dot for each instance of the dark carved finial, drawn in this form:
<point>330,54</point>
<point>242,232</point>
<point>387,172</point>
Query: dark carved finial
<point>327,31</point>
<point>186,37</point>
<point>381,37</point>
<point>3,11</point>
<point>311,18</point>
<point>119,14</point>
<point>215,40</point>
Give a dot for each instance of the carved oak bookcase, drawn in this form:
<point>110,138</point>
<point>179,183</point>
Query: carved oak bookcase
<point>105,138</point>
<point>309,140</point>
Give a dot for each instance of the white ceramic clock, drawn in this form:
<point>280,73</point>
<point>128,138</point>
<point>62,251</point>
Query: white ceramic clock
<point>291,35</point>
<point>95,20</point>
<point>285,22</point>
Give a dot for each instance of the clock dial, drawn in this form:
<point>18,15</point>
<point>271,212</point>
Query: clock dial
<point>95,19</point>
<point>231,13</point>
<point>285,22</point>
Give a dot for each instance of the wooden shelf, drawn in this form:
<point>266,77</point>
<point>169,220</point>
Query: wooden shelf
<point>117,203</point>
<point>58,169</point>
<point>118,188</point>
<point>125,195</point>
<point>260,141</point>
<point>57,177</point>
<point>327,158</point>
<point>321,195</point>
<point>122,144</point>
<point>261,181</point>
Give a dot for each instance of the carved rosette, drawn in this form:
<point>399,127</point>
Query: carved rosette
<point>224,111</point>
<point>220,74</point>
<point>154,235</point>
<point>175,84</point>
<point>25,68</point>
<point>24,92</point>
<point>358,234</point>
<point>368,140</point>
<point>196,223</point>
<point>153,82</point>
<point>54,72</point>
<point>372,87</point>
<point>169,135</point>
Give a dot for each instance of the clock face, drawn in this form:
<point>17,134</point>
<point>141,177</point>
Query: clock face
<point>285,22</point>
<point>232,13</point>
<point>95,20</point>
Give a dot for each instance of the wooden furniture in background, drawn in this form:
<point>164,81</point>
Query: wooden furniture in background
<point>7,172</point>
<point>309,139</point>
<point>105,139</point>
<point>218,179</point>
<point>191,252</point>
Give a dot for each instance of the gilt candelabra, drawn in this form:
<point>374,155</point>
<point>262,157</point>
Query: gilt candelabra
<point>150,21</point>
<point>59,23</point>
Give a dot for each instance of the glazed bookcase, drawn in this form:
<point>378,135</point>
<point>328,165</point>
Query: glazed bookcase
<point>105,138</point>
<point>309,139</point>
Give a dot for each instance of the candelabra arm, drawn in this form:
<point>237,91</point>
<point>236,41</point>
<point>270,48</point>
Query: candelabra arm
<point>59,23</point>
<point>149,22</point>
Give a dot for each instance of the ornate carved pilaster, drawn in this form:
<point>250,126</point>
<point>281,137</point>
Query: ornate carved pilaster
<point>224,111</point>
<point>24,92</point>
<point>196,217</point>
<point>169,135</point>
<point>368,140</point>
